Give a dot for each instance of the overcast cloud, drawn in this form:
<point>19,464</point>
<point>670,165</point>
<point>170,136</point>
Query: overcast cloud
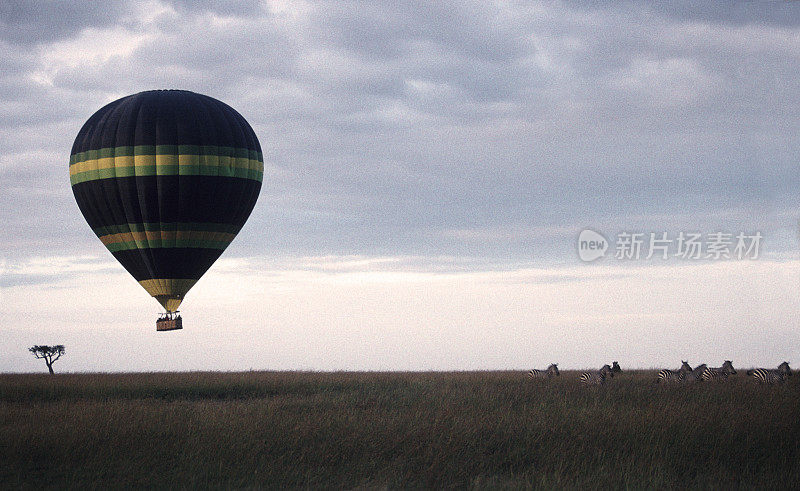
<point>450,138</point>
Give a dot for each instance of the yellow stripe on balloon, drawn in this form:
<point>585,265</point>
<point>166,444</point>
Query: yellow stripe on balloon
<point>166,235</point>
<point>166,160</point>
<point>168,291</point>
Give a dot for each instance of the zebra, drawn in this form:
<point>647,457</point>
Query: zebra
<point>615,368</point>
<point>771,376</point>
<point>598,377</point>
<point>695,375</point>
<point>720,373</point>
<point>674,375</point>
<point>551,371</point>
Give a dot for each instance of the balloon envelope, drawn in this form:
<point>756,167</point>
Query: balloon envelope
<point>166,179</point>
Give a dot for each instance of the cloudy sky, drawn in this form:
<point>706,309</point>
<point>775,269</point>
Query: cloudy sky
<point>428,168</point>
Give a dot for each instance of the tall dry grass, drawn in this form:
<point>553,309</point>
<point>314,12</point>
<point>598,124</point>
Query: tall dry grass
<point>464,429</point>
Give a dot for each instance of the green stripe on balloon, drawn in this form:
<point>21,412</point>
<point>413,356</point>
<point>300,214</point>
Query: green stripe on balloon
<point>104,153</point>
<point>166,170</point>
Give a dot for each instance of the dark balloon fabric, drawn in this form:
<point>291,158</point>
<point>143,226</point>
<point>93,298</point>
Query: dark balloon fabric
<point>166,179</point>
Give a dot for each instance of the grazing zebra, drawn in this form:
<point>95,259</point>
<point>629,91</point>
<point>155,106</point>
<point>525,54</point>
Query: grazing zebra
<point>771,376</point>
<point>551,371</point>
<point>695,375</point>
<point>598,377</point>
<point>720,373</point>
<point>674,375</point>
<point>615,368</point>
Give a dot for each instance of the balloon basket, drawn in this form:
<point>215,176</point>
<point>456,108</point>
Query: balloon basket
<point>169,321</point>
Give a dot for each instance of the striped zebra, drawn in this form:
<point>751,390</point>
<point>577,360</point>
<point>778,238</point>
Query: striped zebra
<point>771,376</point>
<point>598,377</point>
<point>695,375</point>
<point>674,375</point>
<point>615,368</point>
<point>720,373</point>
<point>551,371</point>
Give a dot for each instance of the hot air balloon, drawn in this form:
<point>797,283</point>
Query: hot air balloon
<point>166,179</point>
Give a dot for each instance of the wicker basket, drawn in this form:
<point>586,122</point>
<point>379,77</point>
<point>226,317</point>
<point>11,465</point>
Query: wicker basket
<point>169,324</point>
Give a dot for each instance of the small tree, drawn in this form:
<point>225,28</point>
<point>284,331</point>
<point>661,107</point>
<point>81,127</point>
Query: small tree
<point>48,353</point>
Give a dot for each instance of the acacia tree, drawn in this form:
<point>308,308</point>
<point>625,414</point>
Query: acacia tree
<point>48,353</point>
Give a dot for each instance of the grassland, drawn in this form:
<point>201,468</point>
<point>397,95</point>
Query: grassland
<point>345,430</point>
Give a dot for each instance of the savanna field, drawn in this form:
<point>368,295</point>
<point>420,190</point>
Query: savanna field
<point>345,430</point>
